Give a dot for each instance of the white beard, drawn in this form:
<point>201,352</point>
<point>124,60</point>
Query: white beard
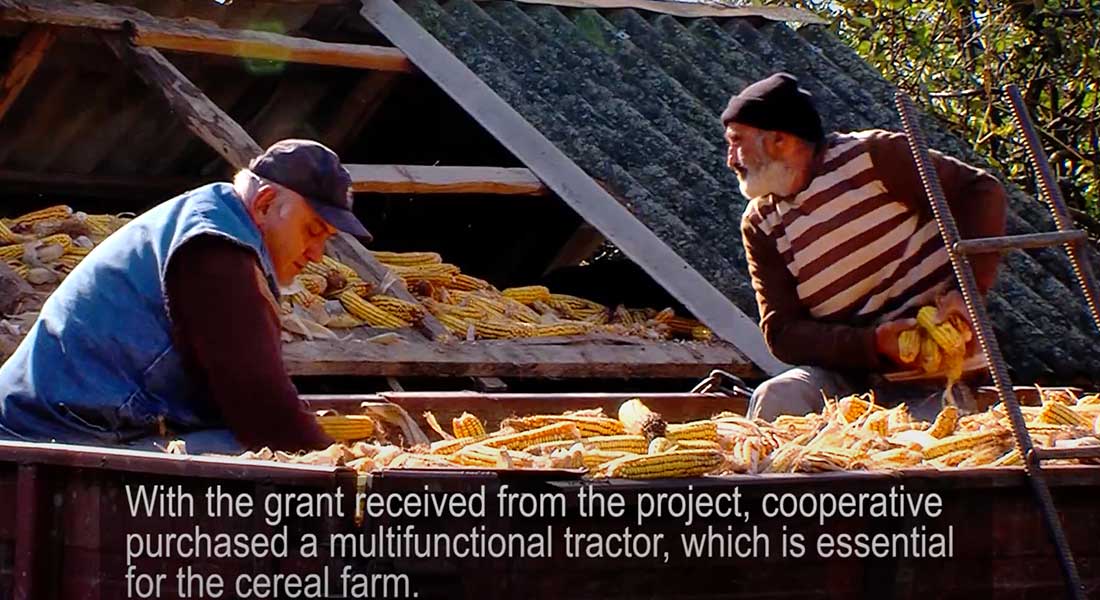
<point>773,177</point>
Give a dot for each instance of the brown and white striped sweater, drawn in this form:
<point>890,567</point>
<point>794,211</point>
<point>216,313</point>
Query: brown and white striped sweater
<point>858,246</point>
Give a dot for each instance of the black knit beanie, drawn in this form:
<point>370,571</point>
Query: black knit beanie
<point>776,104</point>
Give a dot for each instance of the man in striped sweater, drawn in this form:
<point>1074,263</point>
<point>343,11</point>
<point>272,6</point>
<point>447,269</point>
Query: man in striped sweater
<point>842,246</point>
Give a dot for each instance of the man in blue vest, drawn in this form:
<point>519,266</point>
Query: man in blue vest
<point>169,329</point>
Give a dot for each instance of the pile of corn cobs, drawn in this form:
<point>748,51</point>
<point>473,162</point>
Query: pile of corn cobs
<point>331,294</point>
<point>45,245</point>
<point>853,433</point>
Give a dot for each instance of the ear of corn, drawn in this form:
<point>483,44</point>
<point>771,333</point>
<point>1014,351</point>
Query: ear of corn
<point>634,444</point>
<point>1056,413</point>
<point>930,355</point>
<point>528,294</point>
<point>696,430</point>
<point>407,259</point>
<point>467,425</point>
<point>962,441</point>
<point>402,309</point>
<point>945,422</point>
<point>369,313</point>
<point>678,463</point>
<point>594,459</point>
<point>12,251</point>
<point>638,419</point>
<point>447,447</point>
<point>659,445</point>
<point>59,239</point>
<point>563,328</point>
<point>347,427</point>
<point>588,426</point>
<point>550,433</point>
<point>462,281</point>
<point>53,213</point>
<point>909,345</point>
<point>313,283</point>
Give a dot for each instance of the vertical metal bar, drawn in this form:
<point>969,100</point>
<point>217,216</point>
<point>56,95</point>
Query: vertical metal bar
<point>987,340</point>
<point>1053,195</point>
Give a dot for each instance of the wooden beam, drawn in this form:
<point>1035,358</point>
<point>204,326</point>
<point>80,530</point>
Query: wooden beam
<point>559,173</point>
<point>416,179</point>
<point>24,62</point>
<point>584,242</point>
<point>190,35</point>
<point>513,359</point>
<point>200,114</point>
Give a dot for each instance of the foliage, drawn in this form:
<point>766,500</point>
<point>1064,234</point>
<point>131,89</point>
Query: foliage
<point>954,56</point>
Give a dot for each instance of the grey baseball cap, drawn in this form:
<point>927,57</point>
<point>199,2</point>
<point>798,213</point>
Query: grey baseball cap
<point>314,171</point>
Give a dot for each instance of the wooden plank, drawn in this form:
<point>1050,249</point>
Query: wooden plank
<point>190,35</point>
<point>506,358</point>
<point>201,115</point>
<point>571,183</point>
<point>24,62</point>
<point>358,108</point>
<point>417,179</point>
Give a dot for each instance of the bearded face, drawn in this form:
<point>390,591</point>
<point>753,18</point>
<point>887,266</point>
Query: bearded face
<point>760,170</point>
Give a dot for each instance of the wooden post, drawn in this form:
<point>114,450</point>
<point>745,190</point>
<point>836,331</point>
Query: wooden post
<point>24,62</point>
<point>204,118</point>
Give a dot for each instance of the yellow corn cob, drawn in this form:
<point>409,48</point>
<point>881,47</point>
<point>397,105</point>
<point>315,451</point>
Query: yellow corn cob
<point>928,317</point>
<point>562,328</point>
<point>944,334</point>
<point>678,463</point>
<point>80,251</point>
<point>962,326</point>
<point>12,251</point>
<point>19,268</point>
<point>60,239</point>
<point>637,418</point>
<point>406,311</point>
<point>962,441</point>
<point>945,422</point>
<point>467,425</point>
<point>682,325</point>
<point>490,306</point>
<point>574,301</point>
<point>528,294</point>
<point>594,459</point>
<point>1056,413</point>
<point>7,236</point>
<point>587,426</point>
<point>462,281</point>
<point>455,324</point>
<point>878,423</point>
<point>441,273</point>
<point>930,355</point>
<point>954,458</point>
<point>983,456</point>
<point>627,317</point>
<point>909,345</point>
<point>340,267</point>
<point>520,312</point>
<point>344,428</point>
<point>695,430</point>
<point>664,316</point>
<point>52,213</point>
<point>371,314</point>
<point>479,455</point>
<point>408,259</point>
<point>1008,459</point>
<point>634,444</point>
<point>659,445</point>
<point>68,262</point>
<point>702,333</point>
<point>446,447</point>
<point>305,299</point>
<point>853,407</point>
<point>312,282</point>
<point>466,313</point>
<point>550,433</point>
<point>498,329</point>
<point>99,225</point>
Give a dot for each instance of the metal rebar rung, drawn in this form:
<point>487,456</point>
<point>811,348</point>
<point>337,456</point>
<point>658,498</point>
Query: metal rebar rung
<point>1012,242</point>
<point>983,330</point>
<point>1061,453</point>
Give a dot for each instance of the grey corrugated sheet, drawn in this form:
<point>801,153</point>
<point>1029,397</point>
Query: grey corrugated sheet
<point>634,99</point>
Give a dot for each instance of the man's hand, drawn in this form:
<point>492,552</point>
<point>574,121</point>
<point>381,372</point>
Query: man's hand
<point>886,339</point>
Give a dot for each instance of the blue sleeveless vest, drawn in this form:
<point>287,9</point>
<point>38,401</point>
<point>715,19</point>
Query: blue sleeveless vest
<point>99,365</point>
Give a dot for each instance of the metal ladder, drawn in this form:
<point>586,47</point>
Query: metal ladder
<point>958,250</point>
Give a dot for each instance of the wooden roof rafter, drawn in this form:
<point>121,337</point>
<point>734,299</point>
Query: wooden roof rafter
<point>191,35</point>
<point>24,62</point>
